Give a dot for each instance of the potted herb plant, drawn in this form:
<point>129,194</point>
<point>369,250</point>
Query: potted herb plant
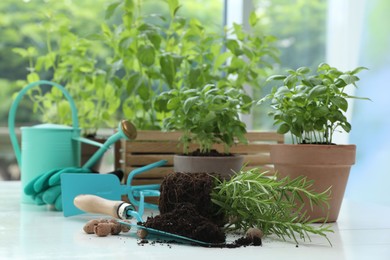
<point>206,116</point>
<point>312,108</point>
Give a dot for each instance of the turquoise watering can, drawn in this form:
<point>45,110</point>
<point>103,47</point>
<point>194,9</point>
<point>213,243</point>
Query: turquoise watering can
<point>46,146</point>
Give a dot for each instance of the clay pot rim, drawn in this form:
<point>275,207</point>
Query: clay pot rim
<point>303,154</point>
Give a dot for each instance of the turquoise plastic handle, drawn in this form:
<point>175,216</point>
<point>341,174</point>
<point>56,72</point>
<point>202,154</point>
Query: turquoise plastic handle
<point>12,113</point>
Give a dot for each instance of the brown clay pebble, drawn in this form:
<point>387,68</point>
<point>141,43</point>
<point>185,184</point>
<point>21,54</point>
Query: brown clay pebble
<point>255,235</point>
<point>89,227</point>
<point>142,233</point>
<point>102,229</point>
<point>125,228</point>
<point>115,228</point>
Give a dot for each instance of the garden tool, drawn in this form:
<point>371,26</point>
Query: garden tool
<point>108,187</point>
<point>46,187</point>
<point>45,146</point>
<point>125,211</point>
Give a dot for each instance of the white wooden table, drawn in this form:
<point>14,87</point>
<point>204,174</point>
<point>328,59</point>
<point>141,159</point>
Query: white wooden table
<point>35,232</point>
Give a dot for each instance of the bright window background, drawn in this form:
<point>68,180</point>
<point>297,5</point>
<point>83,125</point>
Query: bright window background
<point>370,177</point>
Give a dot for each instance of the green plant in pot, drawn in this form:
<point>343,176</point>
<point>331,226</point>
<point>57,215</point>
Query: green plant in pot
<point>312,108</point>
<point>206,116</point>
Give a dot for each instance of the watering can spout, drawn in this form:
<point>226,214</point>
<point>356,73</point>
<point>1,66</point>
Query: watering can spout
<point>128,129</point>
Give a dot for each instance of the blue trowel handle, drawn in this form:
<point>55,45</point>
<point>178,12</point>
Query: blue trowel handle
<point>98,205</point>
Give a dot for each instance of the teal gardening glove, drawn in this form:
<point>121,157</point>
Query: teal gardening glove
<point>46,188</point>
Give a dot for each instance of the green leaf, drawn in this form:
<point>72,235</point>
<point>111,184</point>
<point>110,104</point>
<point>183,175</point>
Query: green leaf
<point>284,128</point>
<point>168,68</point>
<point>146,55</point>
<point>154,38</point>
<point>32,77</point>
<point>346,126</point>
<point>276,77</point>
<point>348,79</point>
<point>320,111</point>
<point>22,52</point>
<point>317,91</point>
<point>323,66</point>
<point>111,9</point>
<point>173,103</point>
<point>340,102</point>
<point>221,59</point>
<point>358,69</point>
<point>303,70</point>
<point>144,92</point>
<point>253,19</point>
<point>233,46</point>
<point>189,103</point>
<point>133,82</point>
<point>173,7</point>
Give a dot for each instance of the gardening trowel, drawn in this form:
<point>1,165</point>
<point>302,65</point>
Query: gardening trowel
<point>107,186</point>
<point>122,210</point>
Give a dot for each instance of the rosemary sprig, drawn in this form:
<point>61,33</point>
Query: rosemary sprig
<point>257,199</point>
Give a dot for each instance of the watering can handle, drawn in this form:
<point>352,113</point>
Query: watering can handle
<point>12,113</point>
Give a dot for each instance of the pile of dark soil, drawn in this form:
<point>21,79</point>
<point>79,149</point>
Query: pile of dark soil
<point>194,188</point>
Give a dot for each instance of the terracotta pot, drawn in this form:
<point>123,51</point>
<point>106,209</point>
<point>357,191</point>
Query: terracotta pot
<point>327,165</point>
<point>222,165</point>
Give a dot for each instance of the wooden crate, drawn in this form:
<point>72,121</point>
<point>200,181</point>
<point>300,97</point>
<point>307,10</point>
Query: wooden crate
<point>152,146</point>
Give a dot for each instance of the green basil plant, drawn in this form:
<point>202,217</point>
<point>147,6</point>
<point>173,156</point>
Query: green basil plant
<point>207,116</point>
<point>312,107</point>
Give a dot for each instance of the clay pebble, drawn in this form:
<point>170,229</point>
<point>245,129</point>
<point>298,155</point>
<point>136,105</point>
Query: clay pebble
<point>102,229</point>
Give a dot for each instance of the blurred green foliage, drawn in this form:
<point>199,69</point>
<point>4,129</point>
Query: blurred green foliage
<point>300,26</point>
<point>28,28</point>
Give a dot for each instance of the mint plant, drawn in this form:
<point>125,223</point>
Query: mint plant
<point>312,107</point>
<point>206,116</point>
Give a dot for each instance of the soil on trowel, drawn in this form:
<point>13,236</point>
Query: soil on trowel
<point>184,220</point>
<point>194,188</point>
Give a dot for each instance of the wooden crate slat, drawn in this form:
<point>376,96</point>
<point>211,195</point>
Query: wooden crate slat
<point>153,147</point>
<point>135,160</point>
<point>174,147</point>
<point>146,181</point>
<point>159,172</point>
<point>146,135</point>
<point>144,159</point>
